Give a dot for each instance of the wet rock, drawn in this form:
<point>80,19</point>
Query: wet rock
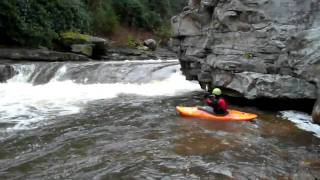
<point>151,44</point>
<point>258,48</point>
<point>39,55</point>
<point>6,73</point>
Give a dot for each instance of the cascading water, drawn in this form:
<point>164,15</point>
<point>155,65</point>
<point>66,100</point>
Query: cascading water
<point>43,90</point>
<point>117,120</point>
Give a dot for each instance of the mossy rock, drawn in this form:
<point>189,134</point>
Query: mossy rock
<point>75,37</point>
<point>84,44</point>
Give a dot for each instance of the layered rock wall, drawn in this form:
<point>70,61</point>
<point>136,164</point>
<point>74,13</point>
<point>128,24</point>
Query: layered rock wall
<point>254,48</point>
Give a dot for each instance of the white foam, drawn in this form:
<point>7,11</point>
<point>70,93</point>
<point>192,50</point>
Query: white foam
<point>24,74</point>
<point>302,121</point>
<point>27,105</point>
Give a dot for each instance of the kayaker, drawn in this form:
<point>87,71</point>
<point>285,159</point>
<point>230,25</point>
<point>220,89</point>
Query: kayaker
<point>217,102</point>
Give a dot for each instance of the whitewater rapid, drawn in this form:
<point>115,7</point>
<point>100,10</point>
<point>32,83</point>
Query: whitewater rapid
<point>27,106</point>
<point>302,120</point>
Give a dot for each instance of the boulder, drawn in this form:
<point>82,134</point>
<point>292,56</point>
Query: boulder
<point>151,44</point>
<point>6,73</point>
<point>90,46</point>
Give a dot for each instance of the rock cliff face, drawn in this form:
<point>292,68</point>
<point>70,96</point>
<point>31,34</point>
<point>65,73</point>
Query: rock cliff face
<point>252,48</point>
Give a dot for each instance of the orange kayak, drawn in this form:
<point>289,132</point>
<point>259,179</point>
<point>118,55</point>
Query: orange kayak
<point>233,115</point>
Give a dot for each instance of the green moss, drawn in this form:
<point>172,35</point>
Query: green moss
<point>248,55</point>
<point>75,36</point>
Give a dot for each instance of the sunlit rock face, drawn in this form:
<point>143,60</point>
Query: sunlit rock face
<point>256,48</point>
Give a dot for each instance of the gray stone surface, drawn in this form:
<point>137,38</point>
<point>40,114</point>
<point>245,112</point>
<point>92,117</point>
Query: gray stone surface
<point>258,48</point>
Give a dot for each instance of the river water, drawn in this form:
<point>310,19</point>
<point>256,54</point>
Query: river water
<point>117,120</point>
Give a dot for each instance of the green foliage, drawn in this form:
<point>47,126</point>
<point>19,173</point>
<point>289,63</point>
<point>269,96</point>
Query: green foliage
<point>132,42</point>
<point>132,12</point>
<point>148,14</point>
<point>104,18</point>
<point>163,34</point>
<point>37,22</point>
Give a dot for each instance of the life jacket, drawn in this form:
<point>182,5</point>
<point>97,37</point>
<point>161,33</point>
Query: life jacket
<point>220,105</point>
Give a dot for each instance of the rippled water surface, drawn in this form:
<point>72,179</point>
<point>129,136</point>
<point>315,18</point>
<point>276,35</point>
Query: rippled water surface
<point>94,121</point>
